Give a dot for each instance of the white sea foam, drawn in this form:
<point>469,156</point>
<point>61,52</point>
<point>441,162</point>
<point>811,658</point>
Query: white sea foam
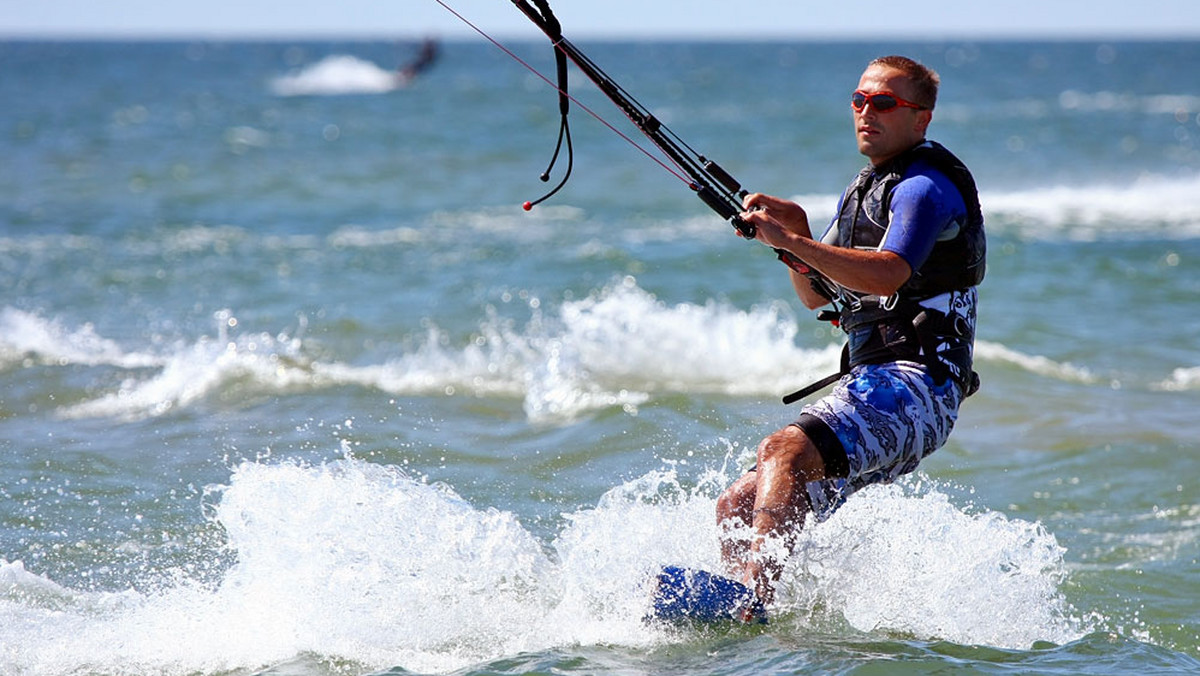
<point>1150,206</point>
<point>27,335</point>
<point>189,373</point>
<point>347,560</point>
<point>908,560</point>
<point>201,370</point>
<point>1182,379</point>
<point>987,351</point>
<point>357,562</point>
<point>338,74</point>
<point>617,348</point>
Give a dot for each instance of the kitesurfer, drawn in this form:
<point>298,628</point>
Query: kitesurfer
<point>425,57</point>
<point>902,260</point>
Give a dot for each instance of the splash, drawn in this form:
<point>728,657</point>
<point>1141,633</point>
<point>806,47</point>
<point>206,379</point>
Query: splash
<point>362,564</point>
<point>902,558</point>
<point>338,74</point>
<point>348,561</point>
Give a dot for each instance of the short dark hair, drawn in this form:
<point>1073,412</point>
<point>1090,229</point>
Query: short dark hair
<point>925,80</point>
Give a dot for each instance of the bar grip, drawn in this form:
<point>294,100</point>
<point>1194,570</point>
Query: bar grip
<point>730,183</point>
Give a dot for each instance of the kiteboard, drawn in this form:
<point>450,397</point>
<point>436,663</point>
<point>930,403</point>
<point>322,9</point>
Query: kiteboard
<point>694,595</point>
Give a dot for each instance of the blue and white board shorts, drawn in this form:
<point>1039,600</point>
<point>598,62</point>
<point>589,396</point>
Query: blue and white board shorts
<point>888,417</point>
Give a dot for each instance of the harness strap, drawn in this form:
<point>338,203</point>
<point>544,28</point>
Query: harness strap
<point>821,384</point>
<point>809,389</point>
<point>914,340</point>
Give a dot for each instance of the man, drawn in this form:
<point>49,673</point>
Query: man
<point>424,59</point>
<point>900,262</point>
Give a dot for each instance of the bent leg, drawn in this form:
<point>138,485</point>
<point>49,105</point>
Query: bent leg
<point>876,424</point>
<point>787,461</point>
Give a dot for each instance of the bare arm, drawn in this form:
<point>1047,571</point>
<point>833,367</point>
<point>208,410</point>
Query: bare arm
<point>808,295</point>
<point>783,224</point>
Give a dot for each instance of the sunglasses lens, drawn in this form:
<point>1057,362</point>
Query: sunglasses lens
<point>880,102</point>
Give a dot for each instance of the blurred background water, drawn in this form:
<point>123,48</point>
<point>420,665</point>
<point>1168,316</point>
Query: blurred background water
<point>289,383</point>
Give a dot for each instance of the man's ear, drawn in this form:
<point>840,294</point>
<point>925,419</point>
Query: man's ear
<point>924,117</point>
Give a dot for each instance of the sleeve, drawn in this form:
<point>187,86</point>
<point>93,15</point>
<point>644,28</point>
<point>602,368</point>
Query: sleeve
<point>925,207</point>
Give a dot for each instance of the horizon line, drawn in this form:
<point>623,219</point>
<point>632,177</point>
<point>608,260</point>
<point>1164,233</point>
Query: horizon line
<point>89,34</point>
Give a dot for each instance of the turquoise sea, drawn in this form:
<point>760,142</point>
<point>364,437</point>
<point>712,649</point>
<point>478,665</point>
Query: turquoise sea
<point>291,384</point>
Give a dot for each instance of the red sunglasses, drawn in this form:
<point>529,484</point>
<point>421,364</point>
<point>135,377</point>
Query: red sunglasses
<point>880,103</point>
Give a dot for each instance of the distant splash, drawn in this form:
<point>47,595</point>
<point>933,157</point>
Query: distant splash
<point>359,563</point>
<point>604,351</point>
<point>336,75</point>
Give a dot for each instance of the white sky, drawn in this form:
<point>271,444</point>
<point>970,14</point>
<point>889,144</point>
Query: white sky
<point>740,19</point>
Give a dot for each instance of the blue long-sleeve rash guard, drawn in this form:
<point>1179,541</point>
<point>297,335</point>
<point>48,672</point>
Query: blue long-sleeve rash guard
<point>925,207</point>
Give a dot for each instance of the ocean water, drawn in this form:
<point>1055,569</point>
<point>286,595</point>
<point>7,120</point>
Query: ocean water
<point>290,384</point>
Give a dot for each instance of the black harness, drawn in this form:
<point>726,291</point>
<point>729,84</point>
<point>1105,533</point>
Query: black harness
<point>898,328</point>
<point>954,263</point>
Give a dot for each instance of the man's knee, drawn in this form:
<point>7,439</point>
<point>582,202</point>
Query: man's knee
<point>790,448</point>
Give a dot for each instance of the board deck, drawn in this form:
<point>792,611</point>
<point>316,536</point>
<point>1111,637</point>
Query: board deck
<point>691,594</point>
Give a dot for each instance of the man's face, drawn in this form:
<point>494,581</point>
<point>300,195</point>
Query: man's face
<point>883,135</point>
